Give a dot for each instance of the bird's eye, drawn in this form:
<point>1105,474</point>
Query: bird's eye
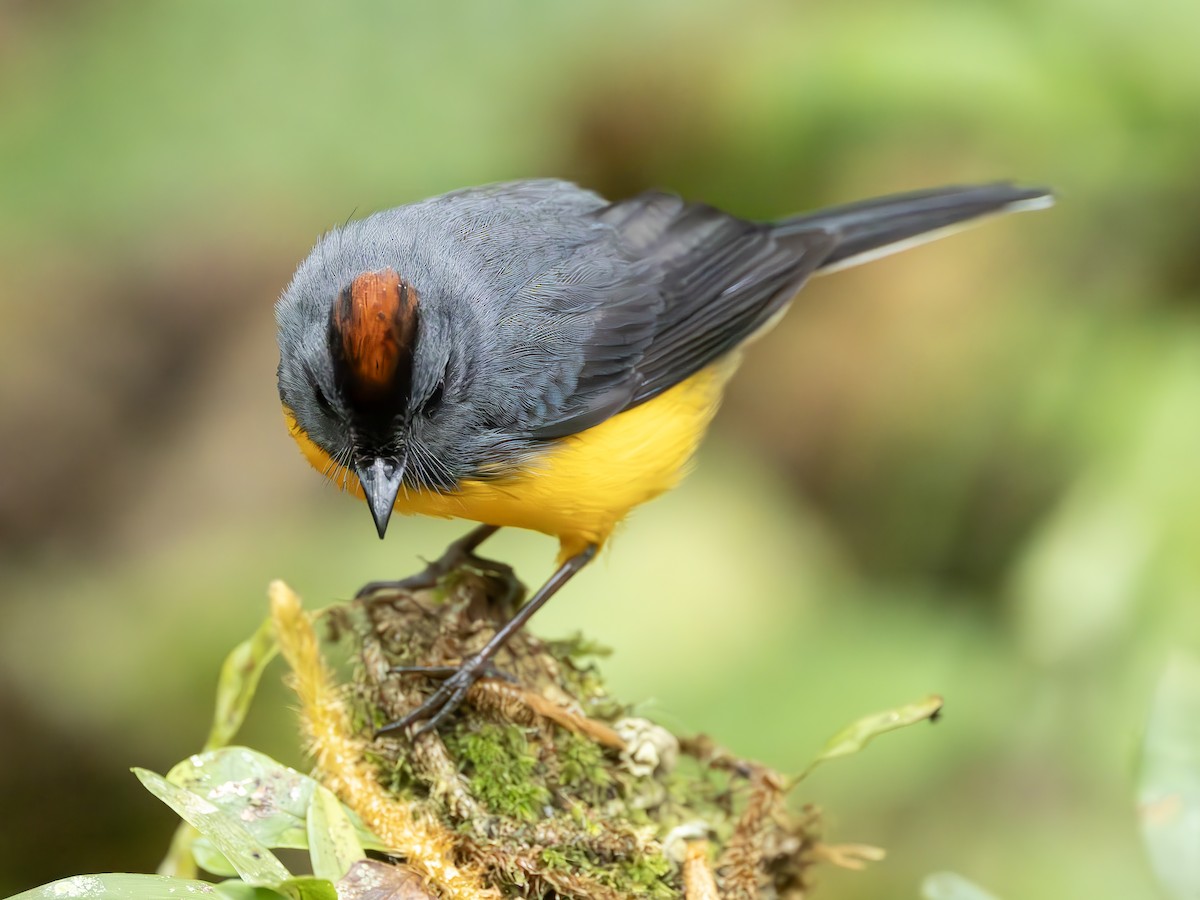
<point>435,399</point>
<point>322,400</point>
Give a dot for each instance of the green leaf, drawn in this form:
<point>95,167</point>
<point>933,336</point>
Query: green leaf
<point>180,861</point>
<point>854,737</point>
<point>332,843</point>
<point>1169,780</point>
<point>240,674</point>
<point>209,858</point>
<point>271,800</point>
<point>252,860</point>
<point>118,886</point>
<point>309,888</point>
<point>239,890</point>
<point>949,886</point>
<point>268,798</point>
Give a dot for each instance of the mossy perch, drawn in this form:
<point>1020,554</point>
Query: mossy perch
<point>539,786</point>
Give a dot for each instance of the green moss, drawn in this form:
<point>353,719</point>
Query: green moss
<point>500,769</point>
<point>544,809</point>
<point>583,770</point>
<point>647,875</point>
<point>553,858</point>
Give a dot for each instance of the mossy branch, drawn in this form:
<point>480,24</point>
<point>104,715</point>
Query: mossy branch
<point>540,784</point>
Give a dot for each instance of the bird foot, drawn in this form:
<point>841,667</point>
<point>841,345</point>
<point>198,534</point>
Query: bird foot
<point>448,696</point>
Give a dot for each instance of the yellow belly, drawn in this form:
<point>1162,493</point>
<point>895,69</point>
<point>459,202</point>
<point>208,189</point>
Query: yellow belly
<point>583,485</point>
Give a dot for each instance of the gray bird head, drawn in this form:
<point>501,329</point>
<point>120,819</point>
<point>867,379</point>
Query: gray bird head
<point>359,363</point>
<point>422,346</point>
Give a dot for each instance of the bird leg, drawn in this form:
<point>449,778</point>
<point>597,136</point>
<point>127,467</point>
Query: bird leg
<point>450,693</point>
<point>457,554</point>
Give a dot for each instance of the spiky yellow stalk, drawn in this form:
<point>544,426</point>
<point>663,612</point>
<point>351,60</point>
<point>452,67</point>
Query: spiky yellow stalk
<point>341,759</point>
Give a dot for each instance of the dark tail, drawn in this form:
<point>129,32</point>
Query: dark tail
<point>874,228</point>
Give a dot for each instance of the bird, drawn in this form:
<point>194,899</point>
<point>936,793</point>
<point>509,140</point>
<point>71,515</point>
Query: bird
<point>529,354</point>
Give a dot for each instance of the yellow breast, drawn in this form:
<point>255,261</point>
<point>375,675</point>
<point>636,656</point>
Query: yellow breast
<point>583,485</point>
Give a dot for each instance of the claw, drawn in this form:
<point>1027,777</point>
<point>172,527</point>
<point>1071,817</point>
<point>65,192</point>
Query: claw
<point>451,692</point>
<point>443,701</point>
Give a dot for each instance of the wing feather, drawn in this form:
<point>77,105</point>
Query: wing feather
<point>686,283</point>
<point>697,283</point>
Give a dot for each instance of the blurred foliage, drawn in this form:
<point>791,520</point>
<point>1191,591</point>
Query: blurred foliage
<point>1169,780</point>
<point>970,469</point>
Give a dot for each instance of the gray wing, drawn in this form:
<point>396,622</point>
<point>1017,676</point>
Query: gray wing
<point>670,288</point>
<point>696,282</point>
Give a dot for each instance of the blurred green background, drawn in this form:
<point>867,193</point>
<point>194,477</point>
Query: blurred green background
<point>971,469</point>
